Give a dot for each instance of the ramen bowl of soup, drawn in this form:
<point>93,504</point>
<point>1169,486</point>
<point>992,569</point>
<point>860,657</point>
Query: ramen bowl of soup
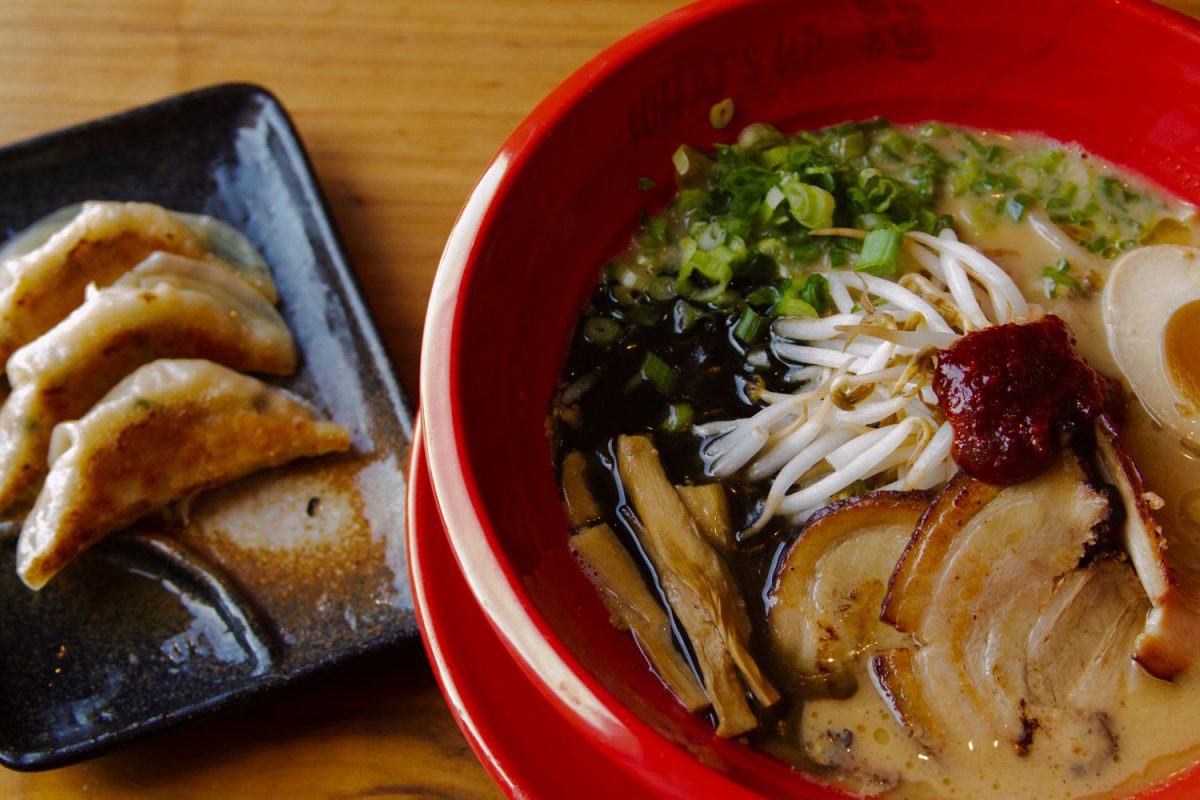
<point>810,401</point>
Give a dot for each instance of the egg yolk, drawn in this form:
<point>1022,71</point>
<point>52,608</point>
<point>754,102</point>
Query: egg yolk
<point>1181,353</point>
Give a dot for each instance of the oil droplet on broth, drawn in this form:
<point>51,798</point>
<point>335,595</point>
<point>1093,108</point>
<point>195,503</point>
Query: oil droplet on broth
<point>1180,354</point>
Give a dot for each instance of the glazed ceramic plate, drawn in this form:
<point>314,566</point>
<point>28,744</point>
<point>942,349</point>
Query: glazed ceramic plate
<point>542,756</point>
<point>269,577</point>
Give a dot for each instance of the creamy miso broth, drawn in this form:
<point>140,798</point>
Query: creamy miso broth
<point>765,438</point>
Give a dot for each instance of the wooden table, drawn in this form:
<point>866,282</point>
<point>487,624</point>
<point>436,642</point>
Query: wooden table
<point>401,104</point>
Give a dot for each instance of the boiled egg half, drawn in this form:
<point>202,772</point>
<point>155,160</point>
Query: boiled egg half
<point>1151,307</point>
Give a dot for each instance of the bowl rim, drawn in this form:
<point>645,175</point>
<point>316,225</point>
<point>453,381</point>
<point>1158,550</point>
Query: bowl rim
<point>568,685</point>
<point>555,670</point>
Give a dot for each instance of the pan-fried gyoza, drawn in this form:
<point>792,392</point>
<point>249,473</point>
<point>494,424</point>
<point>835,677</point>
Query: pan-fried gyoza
<point>167,307</point>
<point>170,429</point>
<point>123,328</point>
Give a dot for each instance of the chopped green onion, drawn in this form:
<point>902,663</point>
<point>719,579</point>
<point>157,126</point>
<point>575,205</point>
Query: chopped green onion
<point>690,198</point>
<point>1059,275</point>
<point>874,191</point>
<point>661,288</point>
<point>802,252</point>
<point>923,178</point>
<point>992,182</point>
<point>644,315</point>
<point>964,175</point>
<point>763,297</point>
<point>681,160</point>
<point>728,300</point>
<point>624,295</point>
<point>624,275</point>
<point>806,299</point>
<point>929,222</point>
<point>658,372</point>
<point>716,265</point>
<point>880,252</point>
<point>692,167</point>
<point>685,315</point>
<point>1048,160</point>
<point>741,179</point>
<point>750,326</point>
<point>678,418</point>
<point>601,330</point>
<point>1109,187</point>
<point>816,292</point>
<point>996,154</point>
<point>794,307</point>
<point>891,145</point>
<point>713,264</point>
<point>1068,191</point>
<point>646,184</point>
<point>810,205</point>
<point>931,156</point>
<point>721,114</point>
<point>759,136</point>
<point>1115,191</point>
<point>1017,204</point>
<point>839,253</point>
<point>776,156</point>
<point>993,154</point>
<point>849,146</point>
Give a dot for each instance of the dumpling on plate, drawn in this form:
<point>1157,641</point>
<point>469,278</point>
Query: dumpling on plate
<point>216,237</point>
<point>169,430</point>
<point>103,241</point>
<point>39,287</point>
<point>167,307</point>
<point>160,267</point>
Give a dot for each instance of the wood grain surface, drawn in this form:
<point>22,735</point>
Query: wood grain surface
<point>401,105</point>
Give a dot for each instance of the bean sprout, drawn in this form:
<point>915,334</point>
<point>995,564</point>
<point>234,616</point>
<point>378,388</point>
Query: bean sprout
<point>869,412</point>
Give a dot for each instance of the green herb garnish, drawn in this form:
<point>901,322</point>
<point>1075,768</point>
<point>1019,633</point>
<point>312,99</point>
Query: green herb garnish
<point>881,251</point>
<point>750,326</point>
<point>1059,276</point>
<point>658,372</point>
<point>678,418</point>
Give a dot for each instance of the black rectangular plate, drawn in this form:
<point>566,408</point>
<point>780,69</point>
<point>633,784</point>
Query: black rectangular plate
<point>155,626</point>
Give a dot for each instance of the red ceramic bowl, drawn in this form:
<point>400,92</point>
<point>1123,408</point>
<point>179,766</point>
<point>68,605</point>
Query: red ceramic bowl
<point>1121,78</point>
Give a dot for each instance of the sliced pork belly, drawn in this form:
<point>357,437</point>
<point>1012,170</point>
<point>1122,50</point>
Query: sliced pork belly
<point>973,586</point>
<point>828,588</point>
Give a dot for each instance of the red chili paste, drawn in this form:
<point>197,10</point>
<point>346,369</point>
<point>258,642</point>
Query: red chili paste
<point>1013,393</point>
